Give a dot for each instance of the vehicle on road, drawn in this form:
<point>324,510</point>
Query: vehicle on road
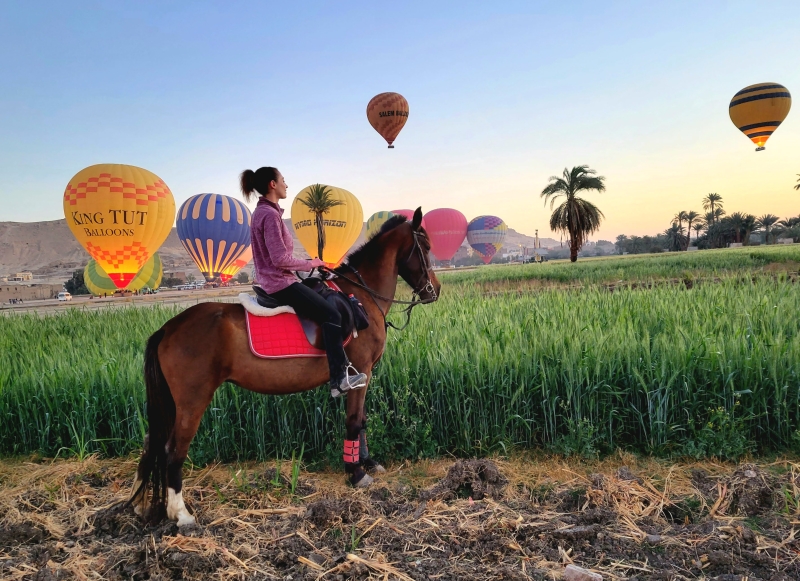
<point>64,296</point>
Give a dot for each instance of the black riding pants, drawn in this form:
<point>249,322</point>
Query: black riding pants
<point>310,305</point>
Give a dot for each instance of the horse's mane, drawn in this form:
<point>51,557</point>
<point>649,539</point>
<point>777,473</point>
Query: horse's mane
<point>371,248</point>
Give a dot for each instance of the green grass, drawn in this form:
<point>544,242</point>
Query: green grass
<point>639,267</point>
<point>708,371</point>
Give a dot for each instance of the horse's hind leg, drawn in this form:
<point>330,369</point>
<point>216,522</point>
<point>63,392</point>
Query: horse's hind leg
<point>187,420</point>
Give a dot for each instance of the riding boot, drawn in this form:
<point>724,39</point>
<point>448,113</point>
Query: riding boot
<point>339,365</point>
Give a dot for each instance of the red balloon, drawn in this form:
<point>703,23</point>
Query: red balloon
<point>446,229</point>
<point>409,214</point>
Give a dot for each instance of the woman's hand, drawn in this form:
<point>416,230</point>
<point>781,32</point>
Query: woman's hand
<point>316,263</point>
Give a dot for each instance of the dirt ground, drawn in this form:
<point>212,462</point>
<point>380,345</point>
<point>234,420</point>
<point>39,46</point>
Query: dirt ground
<point>524,518</point>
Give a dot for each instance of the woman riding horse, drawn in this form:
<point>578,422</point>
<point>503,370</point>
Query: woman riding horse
<point>272,247</point>
<point>206,345</point>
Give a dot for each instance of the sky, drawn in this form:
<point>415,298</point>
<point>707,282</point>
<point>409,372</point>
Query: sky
<point>502,96</point>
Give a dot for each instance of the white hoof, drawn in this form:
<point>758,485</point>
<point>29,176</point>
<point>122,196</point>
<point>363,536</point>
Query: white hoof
<point>186,520</point>
<point>176,509</point>
<point>378,469</point>
<point>365,481</point>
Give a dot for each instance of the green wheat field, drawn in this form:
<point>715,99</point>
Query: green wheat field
<point>674,355</point>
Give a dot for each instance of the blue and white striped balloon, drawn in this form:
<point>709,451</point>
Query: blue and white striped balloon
<point>215,231</point>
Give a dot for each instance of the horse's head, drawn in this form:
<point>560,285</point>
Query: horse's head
<point>414,261</point>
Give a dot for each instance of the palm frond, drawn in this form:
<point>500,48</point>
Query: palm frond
<point>318,199</point>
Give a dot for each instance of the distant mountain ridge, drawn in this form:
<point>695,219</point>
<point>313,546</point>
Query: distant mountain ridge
<point>50,251</point>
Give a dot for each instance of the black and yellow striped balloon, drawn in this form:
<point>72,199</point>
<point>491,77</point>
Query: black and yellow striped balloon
<point>758,110</point>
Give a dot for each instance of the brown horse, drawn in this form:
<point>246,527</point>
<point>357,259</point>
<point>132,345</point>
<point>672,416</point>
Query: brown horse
<point>197,351</point>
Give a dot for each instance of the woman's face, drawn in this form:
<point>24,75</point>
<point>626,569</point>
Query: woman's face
<point>279,186</point>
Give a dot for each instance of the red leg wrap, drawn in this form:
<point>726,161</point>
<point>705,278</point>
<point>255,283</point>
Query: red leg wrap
<point>351,452</point>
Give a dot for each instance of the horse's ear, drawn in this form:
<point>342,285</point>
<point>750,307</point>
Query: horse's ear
<point>416,221</point>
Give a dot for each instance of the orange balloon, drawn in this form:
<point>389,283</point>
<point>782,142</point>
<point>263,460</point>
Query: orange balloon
<point>387,113</point>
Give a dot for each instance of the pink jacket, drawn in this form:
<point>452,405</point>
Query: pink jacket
<point>272,248</point>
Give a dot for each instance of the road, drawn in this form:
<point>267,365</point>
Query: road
<point>170,297</point>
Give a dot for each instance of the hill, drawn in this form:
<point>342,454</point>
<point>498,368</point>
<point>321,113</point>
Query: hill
<point>51,253</point>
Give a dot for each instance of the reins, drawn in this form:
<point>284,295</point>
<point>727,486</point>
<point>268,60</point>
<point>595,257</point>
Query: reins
<point>429,288</point>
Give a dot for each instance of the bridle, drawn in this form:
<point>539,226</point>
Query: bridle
<point>417,289</point>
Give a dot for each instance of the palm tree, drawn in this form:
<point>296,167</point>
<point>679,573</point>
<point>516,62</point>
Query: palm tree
<point>319,201</point>
<point>766,222</point>
<point>679,218</point>
<point>797,187</point>
<point>737,222</point>
<point>713,217</point>
<point>711,202</point>
<point>690,217</point>
<point>743,225</point>
<point>575,216</point>
<point>675,236</point>
<point>749,224</point>
<point>698,227</point>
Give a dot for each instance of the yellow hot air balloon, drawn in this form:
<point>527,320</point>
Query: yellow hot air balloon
<point>99,283</point>
<point>121,215</point>
<point>757,110</point>
<point>342,220</point>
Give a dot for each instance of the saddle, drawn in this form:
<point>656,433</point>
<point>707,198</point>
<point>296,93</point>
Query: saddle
<point>276,331</point>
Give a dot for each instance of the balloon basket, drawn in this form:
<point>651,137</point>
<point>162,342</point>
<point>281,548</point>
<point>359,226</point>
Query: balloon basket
<point>762,148</point>
<point>391,147</point>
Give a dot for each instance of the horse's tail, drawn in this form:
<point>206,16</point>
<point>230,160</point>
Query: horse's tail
<point>161,420</point>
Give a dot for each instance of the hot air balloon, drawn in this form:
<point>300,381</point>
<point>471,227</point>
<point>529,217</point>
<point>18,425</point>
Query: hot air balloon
<point>376,221</point>
<point>121,215</point>
<point>342,220</point>
<point>99,283</point>
<point>757,110</point>
<point>387,113</point>
<point>237,265</point>
<point>409,214</point>
<point>446,229</point>
<point>486,234</point>
<point>215,231</point>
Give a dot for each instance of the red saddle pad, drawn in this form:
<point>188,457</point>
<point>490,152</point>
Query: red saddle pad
<point>280,336</point>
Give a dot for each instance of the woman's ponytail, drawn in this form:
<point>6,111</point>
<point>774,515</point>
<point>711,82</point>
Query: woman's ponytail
<point>247,182</point>
<point>258,181</point>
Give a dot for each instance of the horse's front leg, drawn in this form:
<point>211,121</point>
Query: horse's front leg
<point>352,442</point>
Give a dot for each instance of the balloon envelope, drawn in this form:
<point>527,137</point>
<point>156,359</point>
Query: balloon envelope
<point>121,214</point>
<point>387,113</point>
<point>215,231</point>
<point>342,224</point>
<point>446,229</point>
<point>237,265</point>
<point>758,110</point>
<point>99,283</point>
<point>485,235</point>
<point>375,222</point>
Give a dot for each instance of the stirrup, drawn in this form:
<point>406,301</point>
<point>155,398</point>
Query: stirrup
<point>355,381</point>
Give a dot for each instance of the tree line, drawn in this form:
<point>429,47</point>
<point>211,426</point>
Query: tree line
<point>713,228</point>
